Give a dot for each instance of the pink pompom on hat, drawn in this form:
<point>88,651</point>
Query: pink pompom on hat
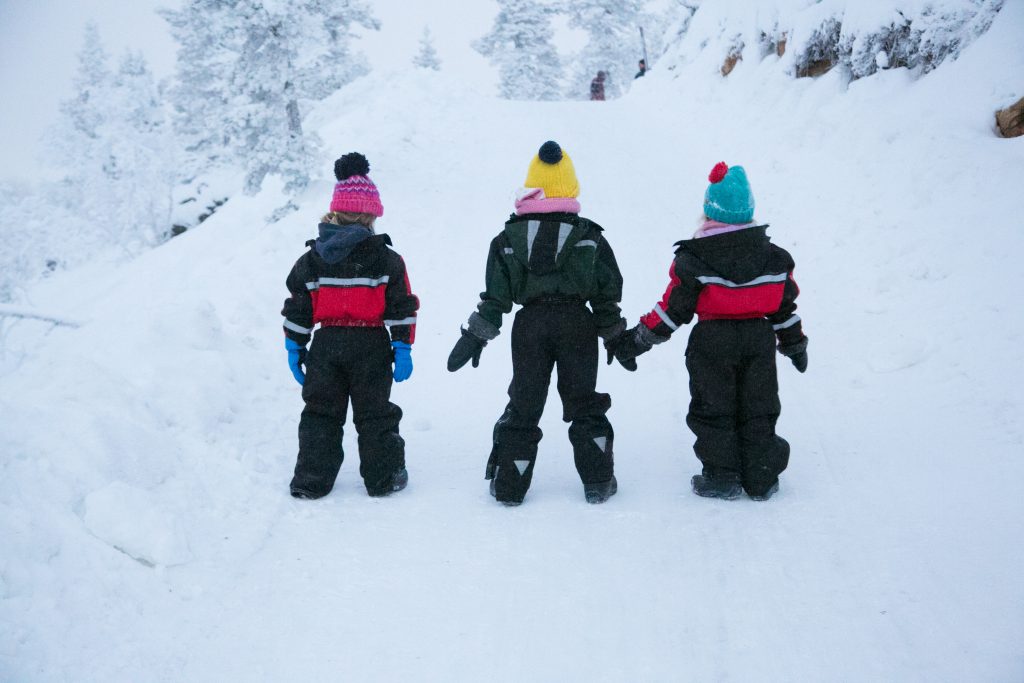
<point>354,191</point>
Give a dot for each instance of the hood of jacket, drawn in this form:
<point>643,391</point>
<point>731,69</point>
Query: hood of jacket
<point>739,256</point>
<point>336,242</point>
<point>542,241</point>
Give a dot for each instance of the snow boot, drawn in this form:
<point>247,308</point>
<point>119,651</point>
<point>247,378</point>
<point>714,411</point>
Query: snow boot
<point>305,495</point>
<point>509,482</point>
<point>768,493</point>
<point>725,485</point>
<point>395,482</point>
<point>494,494</point>
<point>601,491</point>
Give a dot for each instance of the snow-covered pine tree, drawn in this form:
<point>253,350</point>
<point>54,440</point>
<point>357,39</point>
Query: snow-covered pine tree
<point>87,109</point>
<point>666,26</point>
<point>199,94</point>
<point>244,67</point>
<point>520,45</point>
<point>613,44</point>
<point>42,222</point>
<point>143,165</point>
<point>427,57</point>
<point>112,146</point>
<point>77,146</point>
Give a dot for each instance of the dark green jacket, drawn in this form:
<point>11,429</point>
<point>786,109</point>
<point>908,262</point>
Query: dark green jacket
<point>552,255</point>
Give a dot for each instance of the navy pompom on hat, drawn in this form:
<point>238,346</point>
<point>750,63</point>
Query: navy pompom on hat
<point>551,170</point>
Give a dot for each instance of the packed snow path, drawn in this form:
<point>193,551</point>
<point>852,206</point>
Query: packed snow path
<point>147,530</point>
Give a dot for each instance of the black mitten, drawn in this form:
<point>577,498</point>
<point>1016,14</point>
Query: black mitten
<point>799,361</point>
<point>635,341</point>
<point>619,348</point>
<point>468,347</point>
<point>797,353</point>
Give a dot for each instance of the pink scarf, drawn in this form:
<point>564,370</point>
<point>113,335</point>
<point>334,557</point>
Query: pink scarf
<point>710,227</point>
<point>532,200</point>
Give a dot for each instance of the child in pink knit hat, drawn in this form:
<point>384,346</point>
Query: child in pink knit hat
<point>357,290</point>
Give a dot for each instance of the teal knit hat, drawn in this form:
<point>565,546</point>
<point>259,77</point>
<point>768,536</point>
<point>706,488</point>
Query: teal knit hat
<point>728,198</point>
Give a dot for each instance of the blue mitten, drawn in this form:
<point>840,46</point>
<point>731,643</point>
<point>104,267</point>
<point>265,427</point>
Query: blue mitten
<point>403,360</point>
<point>296,359</point>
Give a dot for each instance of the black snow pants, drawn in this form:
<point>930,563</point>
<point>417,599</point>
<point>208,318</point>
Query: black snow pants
<point>348,363</point>
<point>734,401</point>
<point>544,335</point>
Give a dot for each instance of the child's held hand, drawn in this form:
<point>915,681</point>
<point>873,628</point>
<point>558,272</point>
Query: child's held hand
<point>617,348</point>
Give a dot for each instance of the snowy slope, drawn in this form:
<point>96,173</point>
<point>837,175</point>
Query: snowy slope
<point>146,528</point>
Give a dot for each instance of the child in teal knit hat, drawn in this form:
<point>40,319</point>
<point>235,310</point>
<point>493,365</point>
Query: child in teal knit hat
<point>741,288</point>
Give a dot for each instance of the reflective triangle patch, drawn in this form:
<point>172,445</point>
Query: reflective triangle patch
<point>602,442</point>
<point>521,465</point>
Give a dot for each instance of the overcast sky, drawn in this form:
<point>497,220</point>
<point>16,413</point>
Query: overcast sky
<point>39,41</point>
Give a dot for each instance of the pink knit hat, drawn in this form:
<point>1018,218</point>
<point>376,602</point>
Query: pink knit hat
<point>355,192</point>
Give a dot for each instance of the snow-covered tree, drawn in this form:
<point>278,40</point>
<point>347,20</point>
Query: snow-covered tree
<point>667,26</point>
<point>427,57</point>
<point>142,158</point>
<point>85,111</point>
<point>112,146</point>
<point>613,44</point>
<point>244,67</point>
<point>520,45</point>
<point>199,95</point>
<point>77,144</point>
<point>21,252</point>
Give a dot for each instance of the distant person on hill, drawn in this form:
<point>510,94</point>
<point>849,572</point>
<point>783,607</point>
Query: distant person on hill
<point>741,288</point>
<point>597,87</point>
<point>643,69</point>
<point>554,263</point>
<point>353,286</point>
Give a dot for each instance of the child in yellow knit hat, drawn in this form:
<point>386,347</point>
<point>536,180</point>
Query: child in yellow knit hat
<point>554,262</point>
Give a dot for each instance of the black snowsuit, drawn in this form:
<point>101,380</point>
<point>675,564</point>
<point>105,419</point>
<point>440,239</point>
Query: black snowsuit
<point>741,287</point>
<point>552,264</point>
<point>352,298</point>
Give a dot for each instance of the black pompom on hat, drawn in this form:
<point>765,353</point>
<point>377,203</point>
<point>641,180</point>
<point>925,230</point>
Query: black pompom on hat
<point>550,152</point>
<point>351,164</point>
<point>551,170</point>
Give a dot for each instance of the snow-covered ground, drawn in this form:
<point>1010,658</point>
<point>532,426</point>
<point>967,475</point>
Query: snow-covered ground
<point>147,534</point>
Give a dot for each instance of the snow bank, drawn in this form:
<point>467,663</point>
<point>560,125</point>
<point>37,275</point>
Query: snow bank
<point>132,521</point>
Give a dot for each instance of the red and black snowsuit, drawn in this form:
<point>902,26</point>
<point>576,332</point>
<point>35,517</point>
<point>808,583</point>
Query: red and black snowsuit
<point>352,297</point>
<point>741,288</point>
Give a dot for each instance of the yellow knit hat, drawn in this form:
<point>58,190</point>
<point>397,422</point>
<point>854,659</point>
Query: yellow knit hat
<point>551,170</point>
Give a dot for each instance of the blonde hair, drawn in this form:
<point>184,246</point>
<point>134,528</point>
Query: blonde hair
<point>347,218</point>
